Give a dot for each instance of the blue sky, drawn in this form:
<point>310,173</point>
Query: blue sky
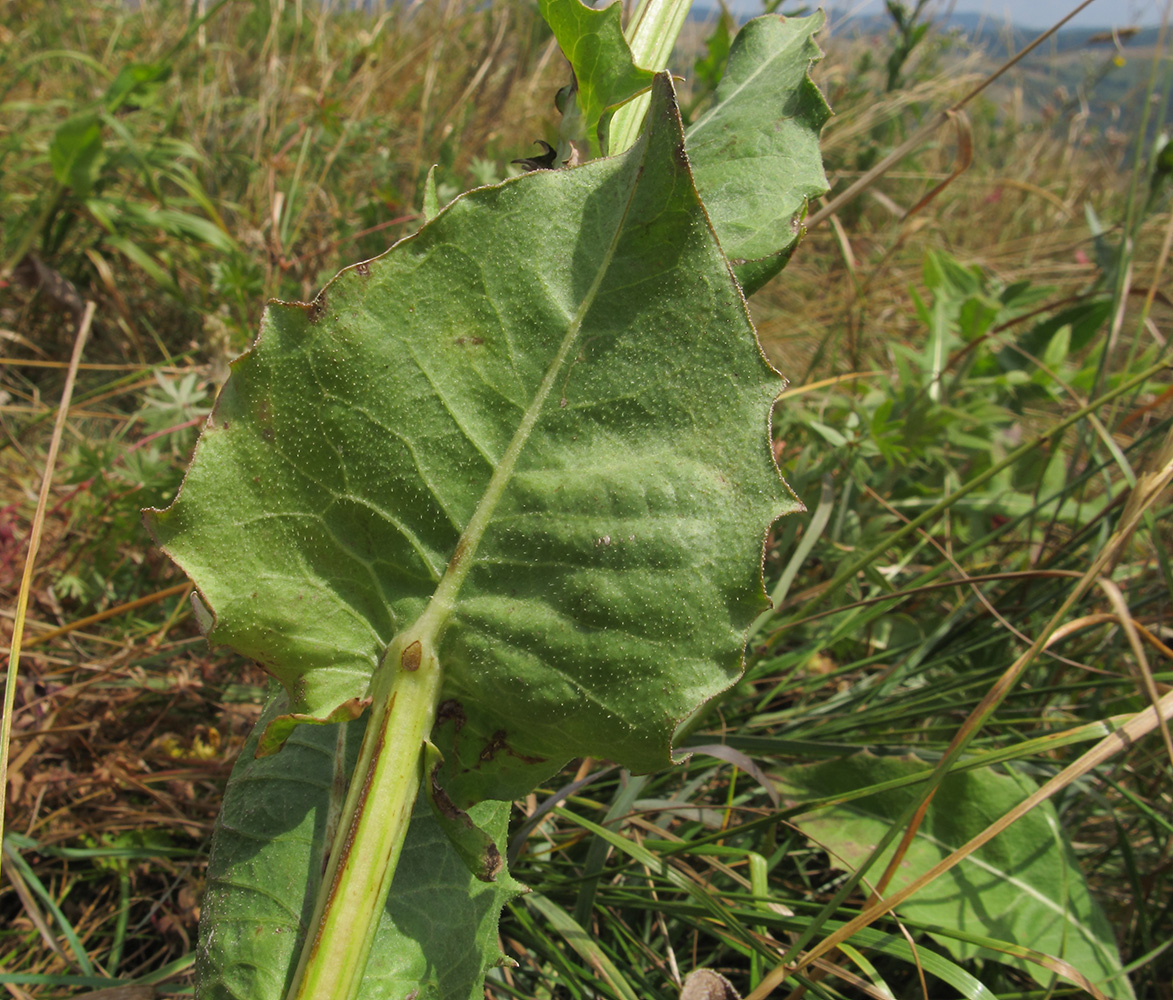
<point>1030,13</point>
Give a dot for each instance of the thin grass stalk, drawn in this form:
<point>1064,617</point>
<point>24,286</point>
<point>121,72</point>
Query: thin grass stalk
<point>101,616</point>
<point>38,527</point>
<point>1138,726</point>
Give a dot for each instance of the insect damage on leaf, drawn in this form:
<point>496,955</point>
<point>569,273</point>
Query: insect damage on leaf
<point>476,848</point>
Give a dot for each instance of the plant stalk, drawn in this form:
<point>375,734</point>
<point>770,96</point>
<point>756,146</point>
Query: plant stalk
<point>651,35</point>
<point>375,817</point>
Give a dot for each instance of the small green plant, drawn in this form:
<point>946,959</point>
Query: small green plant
<point>911,25</point>
<point>491,501</point>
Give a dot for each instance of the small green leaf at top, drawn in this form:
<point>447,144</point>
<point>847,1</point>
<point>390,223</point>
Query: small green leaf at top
<point>755,151</point>
<point>604,71</point>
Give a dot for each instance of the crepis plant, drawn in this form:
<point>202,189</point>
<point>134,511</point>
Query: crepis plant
<point>493,500</point>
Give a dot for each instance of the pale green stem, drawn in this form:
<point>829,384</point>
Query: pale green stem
<point>374,823</point>
<point>651,35</point>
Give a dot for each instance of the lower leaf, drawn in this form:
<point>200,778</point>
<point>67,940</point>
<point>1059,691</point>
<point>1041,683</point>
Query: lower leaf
<point>1022,891</point>
<point>438,933</point>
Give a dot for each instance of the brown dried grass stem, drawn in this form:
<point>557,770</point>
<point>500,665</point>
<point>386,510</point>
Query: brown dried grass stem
<point>930,127</point>
<point>26,581</point>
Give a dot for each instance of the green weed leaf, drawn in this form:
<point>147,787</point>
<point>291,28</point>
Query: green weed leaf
<point>549,406</point>
<point>1023,890</point>
<point>138,81</point>
<point>755,152</point>
<point>75,154</point>
<point>438,933</point>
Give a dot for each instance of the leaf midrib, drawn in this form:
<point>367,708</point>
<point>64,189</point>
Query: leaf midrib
<point>444,598</point>
<point>701,122</point>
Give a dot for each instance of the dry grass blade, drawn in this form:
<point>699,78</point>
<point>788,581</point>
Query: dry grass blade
<point>930,127</point>
<point>961,163</point>
<point>26,582</point>
<point>101,616</point>
<point>33,912</point>
<point>1144,673</point>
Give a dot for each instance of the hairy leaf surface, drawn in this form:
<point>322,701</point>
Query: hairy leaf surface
<point>755,152</point>
<point>551,396</point>
<point>1024,888</point>
<point>438,933</point>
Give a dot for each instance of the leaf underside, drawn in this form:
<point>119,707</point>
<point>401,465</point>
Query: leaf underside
<point>552,395</point>
<point>755,152</point>
<point>589,317</point>
<point>1024,887</point>
<point>438,932</point>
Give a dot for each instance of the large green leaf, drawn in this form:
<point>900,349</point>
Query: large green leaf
<point>1024,888</point>
<point>438,933</point>
<point>755,152</point>
<point>592,40</point>
<point>559,374</point>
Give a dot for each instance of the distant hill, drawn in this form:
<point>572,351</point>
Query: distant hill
<point>992,34</point>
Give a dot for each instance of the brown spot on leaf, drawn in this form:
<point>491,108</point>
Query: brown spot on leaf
<point>451,711</point>
<point>363,267</point>
<point>411,657</point>
<point>497,743</point>
<point>493,864</point>
<point>317,308</point>
<point>445,804</point>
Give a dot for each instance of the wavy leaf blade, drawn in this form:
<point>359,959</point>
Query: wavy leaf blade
<point>438,933</point>
<point>755,152</point>
<point>621,564</point>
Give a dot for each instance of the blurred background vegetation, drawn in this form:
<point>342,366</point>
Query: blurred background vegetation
<point>178,165</point>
